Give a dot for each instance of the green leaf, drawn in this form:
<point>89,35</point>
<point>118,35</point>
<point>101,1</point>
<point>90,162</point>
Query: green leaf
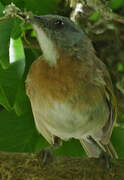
<point>10,79</point>
<point>18,134</point>
<point>94,17</point>
<point>116,4</point>
<point>5,31</point>
<point>120,67</point>
<point>41,7</point>
<point>16,51</point>
<point>118,141</point>
<point>22,104</point>
<point>71,147</point>
<point>37,7</point>
<point>17,28</point>
<point>120,119</point>
<point>3,99</point>
<point>1,9</point>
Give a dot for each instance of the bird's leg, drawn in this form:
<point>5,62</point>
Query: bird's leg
<point>47,153</point>
<point>104,155</point>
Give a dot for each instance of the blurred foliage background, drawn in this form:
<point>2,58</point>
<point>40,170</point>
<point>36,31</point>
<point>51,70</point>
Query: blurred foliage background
<point>19,48</point>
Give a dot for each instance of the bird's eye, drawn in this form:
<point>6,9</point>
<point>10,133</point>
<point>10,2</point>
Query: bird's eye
<point>59,22</point>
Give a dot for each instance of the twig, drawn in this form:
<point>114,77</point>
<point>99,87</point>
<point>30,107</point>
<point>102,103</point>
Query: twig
<point>12,11</point>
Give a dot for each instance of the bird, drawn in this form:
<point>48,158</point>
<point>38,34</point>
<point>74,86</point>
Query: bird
<point>70,89</point>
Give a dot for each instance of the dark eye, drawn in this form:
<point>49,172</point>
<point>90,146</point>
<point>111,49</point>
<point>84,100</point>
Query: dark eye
<point>59,22</point>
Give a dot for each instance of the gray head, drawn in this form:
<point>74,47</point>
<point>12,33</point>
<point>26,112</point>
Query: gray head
<point>57,31</point>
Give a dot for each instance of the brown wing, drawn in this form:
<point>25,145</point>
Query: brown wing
<point>95,147</point>
<point>110,100</point>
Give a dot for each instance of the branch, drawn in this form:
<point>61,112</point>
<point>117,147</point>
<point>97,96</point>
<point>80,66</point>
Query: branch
<point>108,20</point>
<point>101,7</point>
<point>20,166</point>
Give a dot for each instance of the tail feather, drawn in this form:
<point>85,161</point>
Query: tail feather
<point>91,149</point>
<point>94,149</point>
<point>110,150</point>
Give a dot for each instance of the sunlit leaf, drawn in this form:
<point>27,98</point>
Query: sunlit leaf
<point>94,17</point>
<point>5,31</point>
<point>16,51</point>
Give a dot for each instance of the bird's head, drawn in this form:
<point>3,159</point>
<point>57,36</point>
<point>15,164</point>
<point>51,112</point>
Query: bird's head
<point>57,33</point>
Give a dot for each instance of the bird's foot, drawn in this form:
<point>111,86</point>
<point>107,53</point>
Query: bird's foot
<point>107,158</point>
<point>45,156</point>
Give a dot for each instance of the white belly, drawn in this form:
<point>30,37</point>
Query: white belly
<point>62,120</point>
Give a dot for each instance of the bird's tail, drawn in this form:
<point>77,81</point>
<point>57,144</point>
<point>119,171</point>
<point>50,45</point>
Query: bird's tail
<point>94,148</point>
<point>110,150</point>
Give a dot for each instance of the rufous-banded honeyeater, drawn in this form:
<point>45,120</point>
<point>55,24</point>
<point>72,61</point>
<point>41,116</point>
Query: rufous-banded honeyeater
<point>69,87</point>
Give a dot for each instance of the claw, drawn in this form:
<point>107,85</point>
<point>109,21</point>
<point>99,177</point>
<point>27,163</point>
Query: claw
<point>47,156</point>
<point>107,158</point>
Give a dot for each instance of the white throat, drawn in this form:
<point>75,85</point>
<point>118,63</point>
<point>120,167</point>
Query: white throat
<point>47,46</point>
